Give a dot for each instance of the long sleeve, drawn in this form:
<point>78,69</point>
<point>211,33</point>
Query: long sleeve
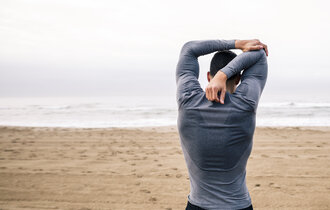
<point>187,70</point>
<point>254,64</point>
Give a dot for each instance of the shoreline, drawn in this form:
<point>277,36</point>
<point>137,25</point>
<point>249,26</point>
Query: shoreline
<point>167,127</point>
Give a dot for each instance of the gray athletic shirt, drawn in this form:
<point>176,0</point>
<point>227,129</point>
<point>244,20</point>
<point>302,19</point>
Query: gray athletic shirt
<point>216,139</point>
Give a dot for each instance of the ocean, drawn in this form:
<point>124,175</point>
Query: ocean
<point>140,112</point>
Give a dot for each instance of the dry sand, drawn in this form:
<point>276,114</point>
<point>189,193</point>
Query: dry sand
<point>59,168</point>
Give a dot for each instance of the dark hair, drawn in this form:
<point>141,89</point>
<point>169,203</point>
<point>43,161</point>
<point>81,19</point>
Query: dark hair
<point>220,60</point>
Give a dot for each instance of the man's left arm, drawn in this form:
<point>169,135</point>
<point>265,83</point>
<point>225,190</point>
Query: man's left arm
<point>187,70</point>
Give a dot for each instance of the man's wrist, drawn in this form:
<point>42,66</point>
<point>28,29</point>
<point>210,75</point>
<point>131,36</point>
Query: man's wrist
<point>221,75</point>
<point>238,44</point>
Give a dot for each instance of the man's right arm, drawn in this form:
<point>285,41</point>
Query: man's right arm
<point>254,76</point>
<point>253,61</point>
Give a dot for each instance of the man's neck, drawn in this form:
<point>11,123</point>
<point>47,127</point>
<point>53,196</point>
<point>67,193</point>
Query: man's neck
<point>230,88</point>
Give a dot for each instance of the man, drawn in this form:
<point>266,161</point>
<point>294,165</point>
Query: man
<point>216,133</point>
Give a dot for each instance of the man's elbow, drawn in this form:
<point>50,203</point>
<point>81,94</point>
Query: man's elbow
<point>188,47</point>
<point>188,44</point>
<point>263,54</point>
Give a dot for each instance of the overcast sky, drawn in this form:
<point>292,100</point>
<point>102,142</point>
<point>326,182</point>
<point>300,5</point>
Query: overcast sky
<point>106,48</point>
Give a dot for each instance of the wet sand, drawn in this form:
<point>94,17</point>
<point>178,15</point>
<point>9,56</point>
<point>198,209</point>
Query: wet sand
<point>144,168</point>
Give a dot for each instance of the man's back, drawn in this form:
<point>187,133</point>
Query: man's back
<point>216,138</point>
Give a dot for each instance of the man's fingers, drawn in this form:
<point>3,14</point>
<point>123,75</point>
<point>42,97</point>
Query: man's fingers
<point>256,47</point>
<point>265,48</point>
<point>207,91</point>
<point>260,46</point>
<point>215,95</point>
<point>222,96</point>
<point>211,93</point>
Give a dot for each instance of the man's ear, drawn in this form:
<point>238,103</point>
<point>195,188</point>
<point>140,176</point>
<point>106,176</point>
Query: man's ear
<point>209,76</point>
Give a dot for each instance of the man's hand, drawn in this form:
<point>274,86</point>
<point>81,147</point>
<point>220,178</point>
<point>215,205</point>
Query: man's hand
<point>248,45</point>
<point>218,83</point>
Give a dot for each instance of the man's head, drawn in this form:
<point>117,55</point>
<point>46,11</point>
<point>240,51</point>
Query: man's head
<point>220,60</point>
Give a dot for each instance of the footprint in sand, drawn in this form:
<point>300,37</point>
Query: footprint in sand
<point>33,155</point>
<point>145,191</point>
<point>15,140</point>
<point>322,156</point>
<point>294,156</point>
<point>274,185</point>
<point>82,151</point>
<point>153,199</point>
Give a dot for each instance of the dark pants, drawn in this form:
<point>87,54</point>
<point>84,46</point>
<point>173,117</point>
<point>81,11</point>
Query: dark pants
<point>193,207</point>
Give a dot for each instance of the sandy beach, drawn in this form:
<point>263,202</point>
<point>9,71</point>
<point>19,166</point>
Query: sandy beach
<point>143,168</point>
